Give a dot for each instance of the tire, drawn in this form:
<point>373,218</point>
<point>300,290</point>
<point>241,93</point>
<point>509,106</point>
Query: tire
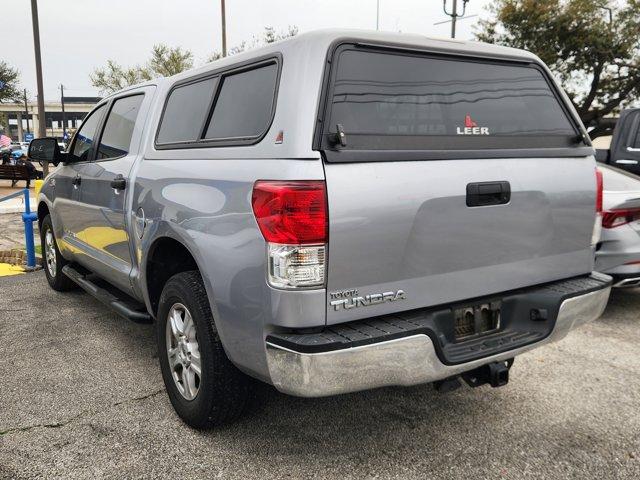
<point>52,260</point>
<point>220,392</point>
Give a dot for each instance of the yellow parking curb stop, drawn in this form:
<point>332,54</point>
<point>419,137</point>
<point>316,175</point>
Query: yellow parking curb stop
<point>7,269</point>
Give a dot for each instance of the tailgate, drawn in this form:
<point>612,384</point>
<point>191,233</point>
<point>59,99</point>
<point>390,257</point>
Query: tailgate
<point>448,178</point>
<point>406,226</point>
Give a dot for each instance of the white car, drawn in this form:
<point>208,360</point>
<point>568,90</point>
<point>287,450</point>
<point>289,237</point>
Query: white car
<point>618,252</point>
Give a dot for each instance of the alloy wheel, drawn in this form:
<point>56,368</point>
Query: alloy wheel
<point>50,253</point>
<point>183,352</point>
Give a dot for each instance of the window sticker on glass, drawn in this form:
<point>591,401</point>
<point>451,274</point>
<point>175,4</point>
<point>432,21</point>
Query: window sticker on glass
<point>471,127</point>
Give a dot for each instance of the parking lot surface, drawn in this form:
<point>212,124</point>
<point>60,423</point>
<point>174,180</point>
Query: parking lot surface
<point>81,396</point>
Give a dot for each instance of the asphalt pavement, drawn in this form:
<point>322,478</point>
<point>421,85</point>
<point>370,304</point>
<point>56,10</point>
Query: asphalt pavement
<point>81,396</point>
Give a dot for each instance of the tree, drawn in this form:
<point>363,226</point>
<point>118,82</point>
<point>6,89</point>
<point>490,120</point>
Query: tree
<point>114,77</point>
<point>269,35</point>
<point>165,61</point>
<point>9,83</point>
<point>592,46</point>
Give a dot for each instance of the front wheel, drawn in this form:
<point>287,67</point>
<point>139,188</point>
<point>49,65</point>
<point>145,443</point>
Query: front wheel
<point>204,387</point>
<point>52,259</point>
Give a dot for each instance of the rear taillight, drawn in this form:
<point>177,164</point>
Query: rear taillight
<point>292,216</point>
<point>597,226</point>
<point>617,218</point>
<point>599,191</point>
<point>293,213</point>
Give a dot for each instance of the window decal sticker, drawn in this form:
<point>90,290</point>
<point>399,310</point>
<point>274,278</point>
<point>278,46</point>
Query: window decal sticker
<point>468,122</point>
<point>471,127</point>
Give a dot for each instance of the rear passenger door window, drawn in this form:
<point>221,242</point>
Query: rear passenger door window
<point>118,130</point>
<point>636,142</point>
<point>244,104</point>
<point>633,140</point>
<point>234,107</point>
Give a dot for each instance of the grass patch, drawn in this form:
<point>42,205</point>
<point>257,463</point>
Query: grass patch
<point>23,251</point>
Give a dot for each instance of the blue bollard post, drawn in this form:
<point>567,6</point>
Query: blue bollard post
<point>28,218</point>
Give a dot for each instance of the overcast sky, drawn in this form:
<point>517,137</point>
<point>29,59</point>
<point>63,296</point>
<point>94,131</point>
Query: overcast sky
<point>79,35</point>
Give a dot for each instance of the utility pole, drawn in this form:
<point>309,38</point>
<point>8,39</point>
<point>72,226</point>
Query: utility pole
<point>26,109</point>
<point>377,14</point>
<point>224,29</point>
<point>42,129</point>
<point>64,118</point>
<point>454,13</point>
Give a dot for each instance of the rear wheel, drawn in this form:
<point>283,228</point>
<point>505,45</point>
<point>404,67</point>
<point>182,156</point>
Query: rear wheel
<point>52,259</point>
<point>204,387</point>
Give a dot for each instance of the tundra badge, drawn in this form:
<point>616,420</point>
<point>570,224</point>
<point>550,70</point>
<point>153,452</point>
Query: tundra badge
<point>348,299</point>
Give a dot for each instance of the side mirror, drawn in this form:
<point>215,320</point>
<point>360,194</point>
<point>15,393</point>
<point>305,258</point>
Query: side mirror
<point>45,150</point>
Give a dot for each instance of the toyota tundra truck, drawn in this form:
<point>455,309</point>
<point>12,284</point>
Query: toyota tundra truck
<point>339,211</point>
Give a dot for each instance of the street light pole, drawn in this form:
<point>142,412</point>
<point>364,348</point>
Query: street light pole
<point>64,118</point>
<point>454,13</point>
<point>42,132</point>
<point>224,29</point>
<point>377,14</point>
<point>26,110</point>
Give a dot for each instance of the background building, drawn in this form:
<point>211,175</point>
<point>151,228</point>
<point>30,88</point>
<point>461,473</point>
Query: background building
<point>21,122</point>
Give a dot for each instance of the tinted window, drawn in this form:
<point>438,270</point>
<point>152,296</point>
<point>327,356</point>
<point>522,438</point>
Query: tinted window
<point>87,133</point>
<point>118,130</point>
<point>635,137</point>
<point>185,112</point>
<point>428,102</point>
<point>244,105</point>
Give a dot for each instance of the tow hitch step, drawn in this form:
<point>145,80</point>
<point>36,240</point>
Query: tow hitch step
<point>116,300</point>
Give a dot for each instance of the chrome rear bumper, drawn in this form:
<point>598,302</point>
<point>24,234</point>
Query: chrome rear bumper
<point>405,361</point>
<point>627,282</point>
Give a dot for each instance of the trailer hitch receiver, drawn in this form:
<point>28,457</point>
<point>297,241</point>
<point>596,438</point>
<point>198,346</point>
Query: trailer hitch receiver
<point>495,374</point>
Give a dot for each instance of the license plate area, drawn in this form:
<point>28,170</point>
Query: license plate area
<point>475,320</point>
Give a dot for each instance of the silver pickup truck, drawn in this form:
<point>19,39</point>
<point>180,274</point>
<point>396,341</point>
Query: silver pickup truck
<point>339,211</point>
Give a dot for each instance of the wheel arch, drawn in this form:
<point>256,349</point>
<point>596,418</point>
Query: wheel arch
<point>166,257</point>
<point>43,211</point>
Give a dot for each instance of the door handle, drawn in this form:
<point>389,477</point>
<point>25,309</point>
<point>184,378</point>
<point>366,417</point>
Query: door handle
<point>623,161</point>
<point>76,181</point>
<point>488,193</point>
<point>119,183</point>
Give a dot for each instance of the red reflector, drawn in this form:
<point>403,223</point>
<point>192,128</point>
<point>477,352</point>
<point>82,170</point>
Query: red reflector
<point>291,212</point>
<point>617,218</point>
<point>599,191</point>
